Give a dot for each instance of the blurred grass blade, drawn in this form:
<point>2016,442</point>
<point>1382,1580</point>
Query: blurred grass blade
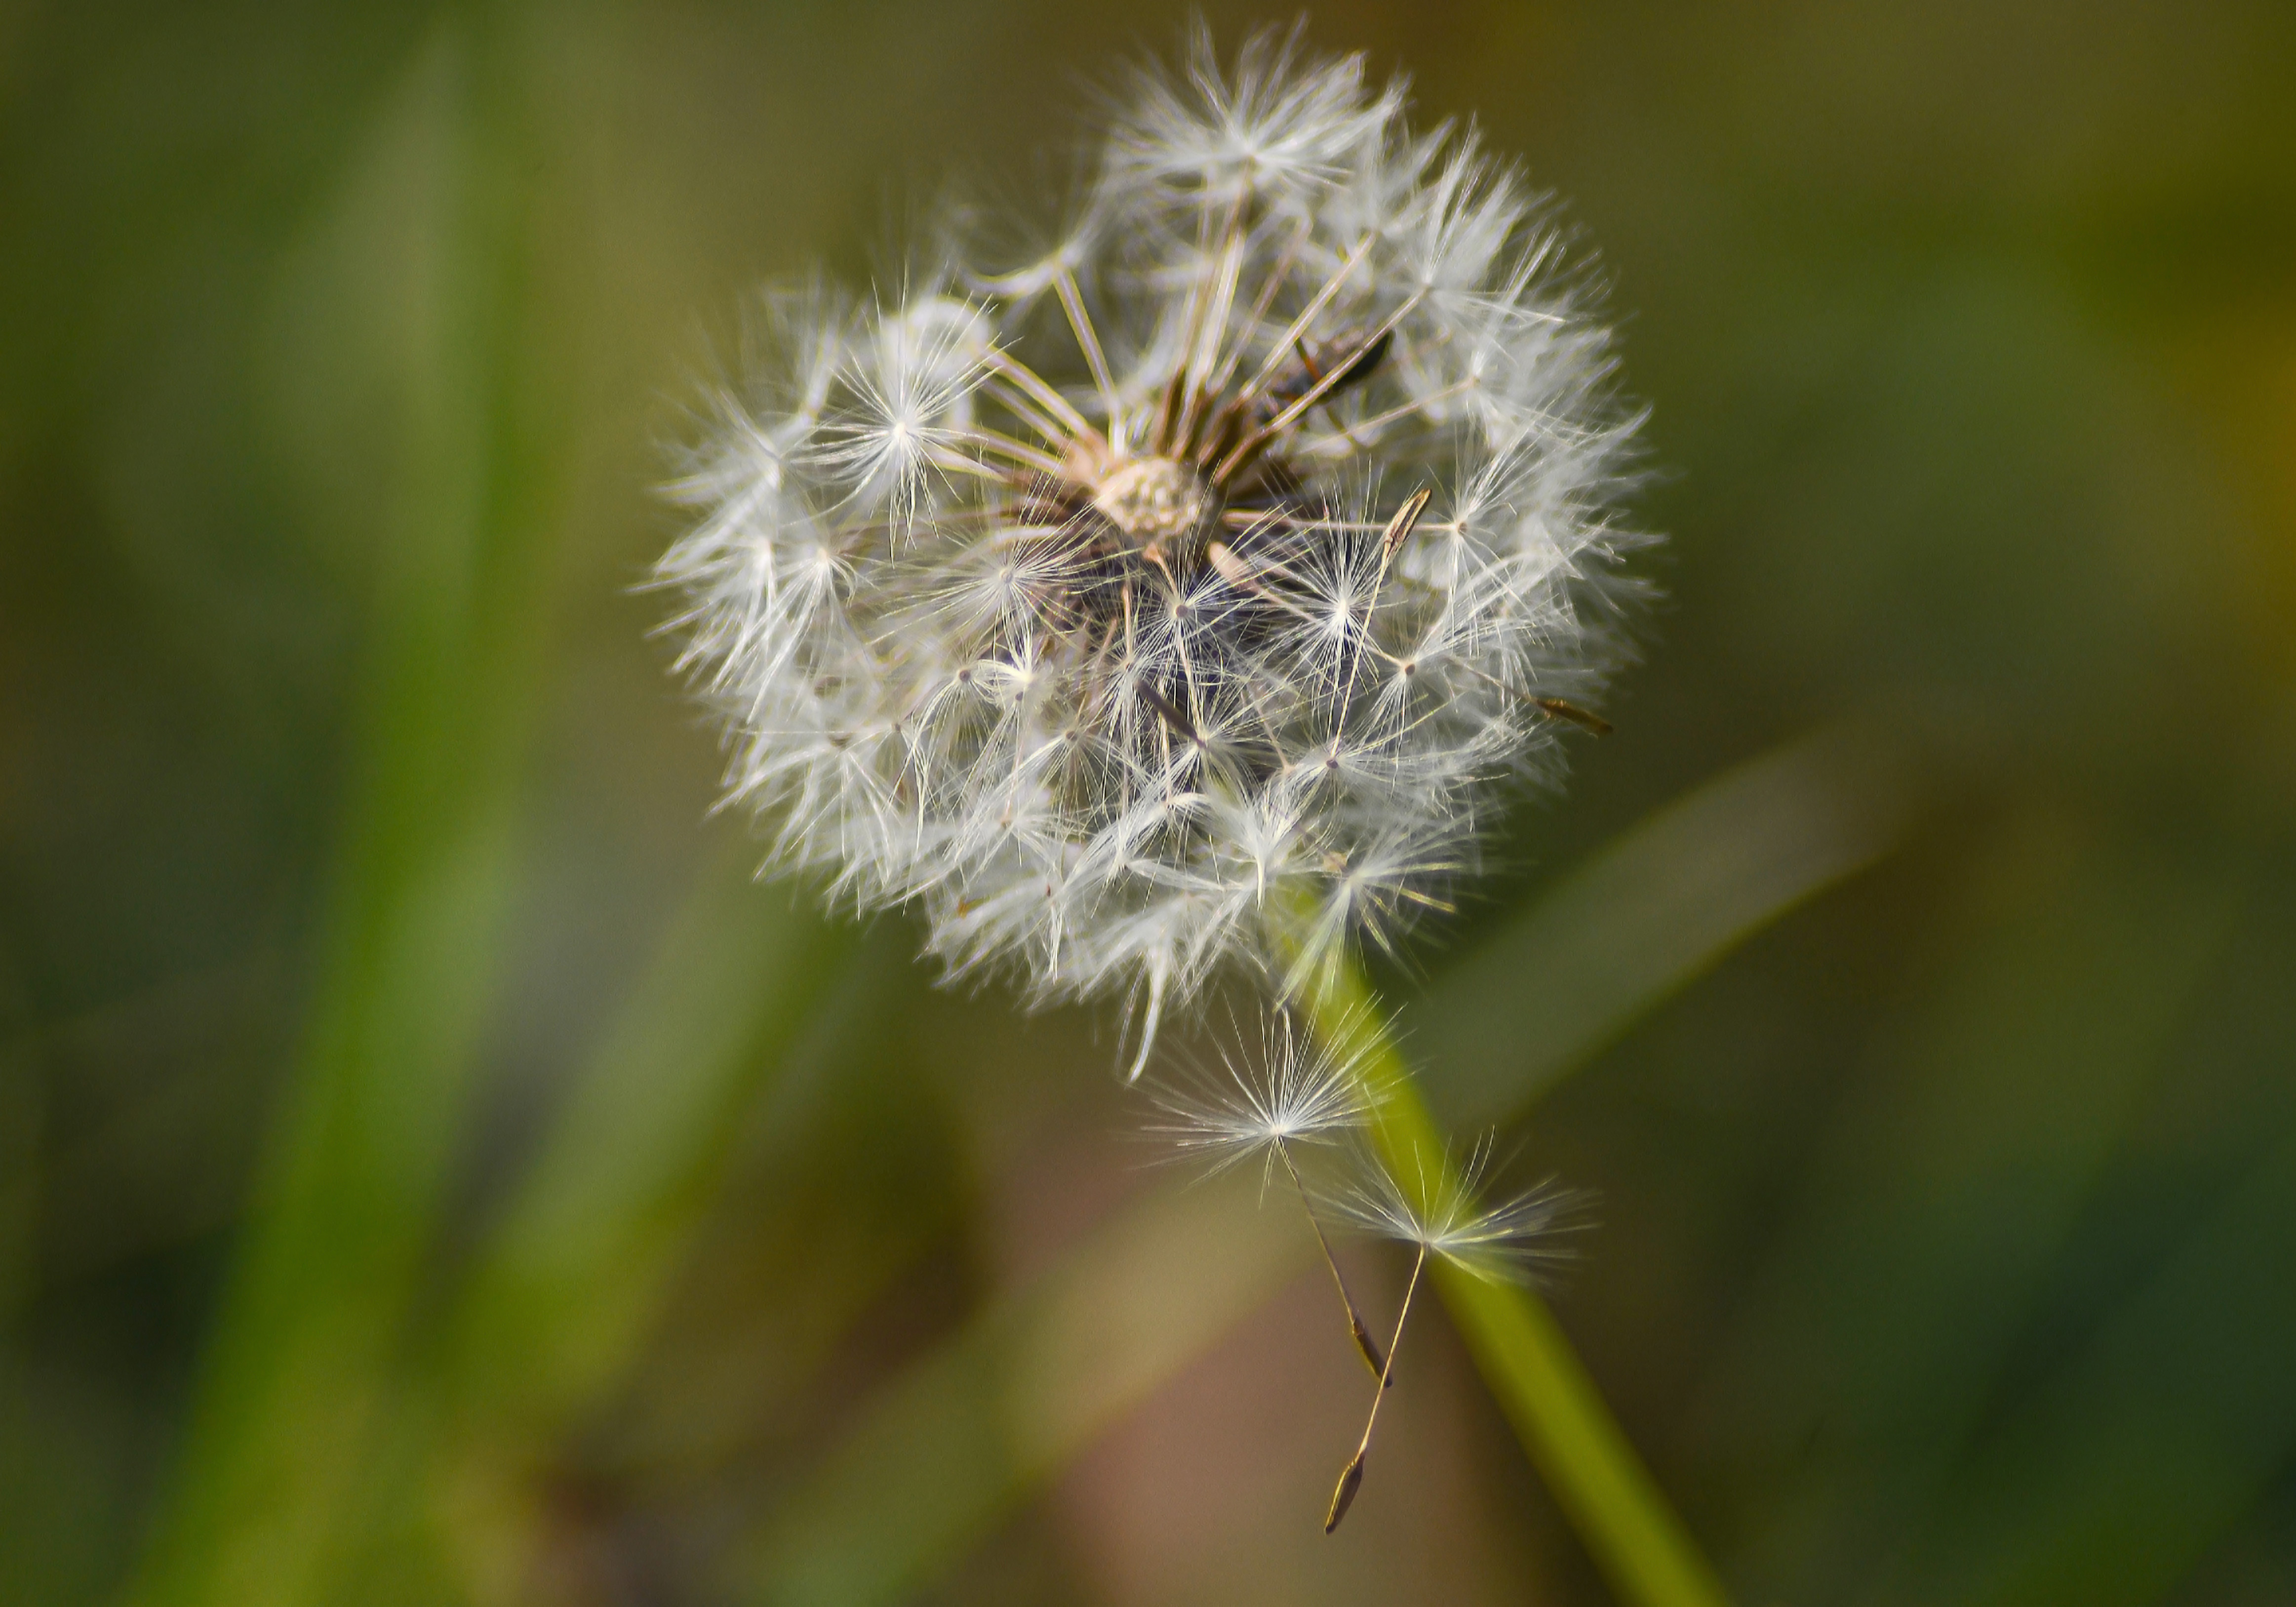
<point>560,1296</point>
<point>1946,1185</point>
<point>932,1463</point>
<point>1556,1410</point>
<point>295,1377</point>
<point>961,1437</point>
<point>2116,1478</point>
<point>563,1297</point>
<point>20,1121</point>
<point>1652,912</point>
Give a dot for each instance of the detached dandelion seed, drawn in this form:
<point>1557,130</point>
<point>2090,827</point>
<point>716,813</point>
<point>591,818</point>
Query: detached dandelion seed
<point>1444,1212</point>
<point>1188,594</point>
<point>1441,1213</point>
<point>1264,1107</point>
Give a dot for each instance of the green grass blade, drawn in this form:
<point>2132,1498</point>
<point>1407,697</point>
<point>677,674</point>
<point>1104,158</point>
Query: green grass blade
<point>561,1299</point>
<point>1652,912</point>
<point>560,1296</point>
<point>1948,1182</point>
<point>298,1373</point>
<point>2115,1480</point>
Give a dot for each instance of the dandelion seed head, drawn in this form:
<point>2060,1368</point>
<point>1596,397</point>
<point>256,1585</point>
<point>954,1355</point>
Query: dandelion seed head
<point>1076,604</point>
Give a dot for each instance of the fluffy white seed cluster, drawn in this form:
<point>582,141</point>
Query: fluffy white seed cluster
<point>1191,592</point>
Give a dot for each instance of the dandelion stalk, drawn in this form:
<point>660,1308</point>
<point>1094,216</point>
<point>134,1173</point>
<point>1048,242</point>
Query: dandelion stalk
<point>1554,1407</point>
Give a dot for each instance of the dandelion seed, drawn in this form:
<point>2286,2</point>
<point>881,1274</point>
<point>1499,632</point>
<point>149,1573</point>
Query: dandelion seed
<point>1442,1214</point>
<point>1264,1106</point>
<point>1260,1105</point>
<point>1225,562</point>
<point>1442,1211</point>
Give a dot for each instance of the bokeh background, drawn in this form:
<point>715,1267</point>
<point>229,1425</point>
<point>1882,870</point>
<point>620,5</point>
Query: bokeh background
<point>430,1170</point>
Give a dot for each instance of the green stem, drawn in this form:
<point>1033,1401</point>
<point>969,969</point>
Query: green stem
<point>1554,1407</point>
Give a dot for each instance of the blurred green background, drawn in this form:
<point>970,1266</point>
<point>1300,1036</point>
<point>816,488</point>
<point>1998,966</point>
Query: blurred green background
<point>432,1171</point>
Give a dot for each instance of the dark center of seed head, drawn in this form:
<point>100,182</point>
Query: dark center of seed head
<point>1157,502</point>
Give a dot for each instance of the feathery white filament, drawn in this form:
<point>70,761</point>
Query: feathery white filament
<point>1444,1213</point>
<point>1289,1093</point>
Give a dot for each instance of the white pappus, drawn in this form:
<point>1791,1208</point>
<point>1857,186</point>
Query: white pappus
<point>1193,592</point>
